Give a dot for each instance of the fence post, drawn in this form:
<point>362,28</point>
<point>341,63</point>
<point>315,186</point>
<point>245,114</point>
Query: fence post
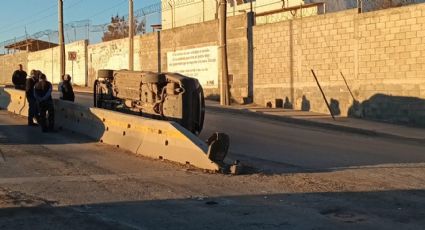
<point>359,6</point>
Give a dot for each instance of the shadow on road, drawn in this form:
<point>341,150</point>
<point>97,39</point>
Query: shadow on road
<point>25,135</point>
<point>396,209</point>
<point>68,116</point>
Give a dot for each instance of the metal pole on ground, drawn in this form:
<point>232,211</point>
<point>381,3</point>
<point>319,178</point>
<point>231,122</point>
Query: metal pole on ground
<point>348,87</point>
<point>131,36</point>
<point>323,94</point>
<point>61,38</point>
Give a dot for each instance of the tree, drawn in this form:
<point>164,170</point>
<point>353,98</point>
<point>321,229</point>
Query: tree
<point>119,28</point>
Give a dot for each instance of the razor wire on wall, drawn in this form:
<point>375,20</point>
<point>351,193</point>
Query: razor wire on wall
<point>151,15</point>
<point>372,5</point>
<point>86,30</point>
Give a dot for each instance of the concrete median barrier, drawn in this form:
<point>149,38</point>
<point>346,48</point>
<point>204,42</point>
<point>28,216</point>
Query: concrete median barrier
<point>151,138</point>
<point>14,101</point>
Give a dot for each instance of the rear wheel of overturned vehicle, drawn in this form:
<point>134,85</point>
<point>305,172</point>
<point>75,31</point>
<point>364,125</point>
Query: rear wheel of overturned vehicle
<point>97,95</point>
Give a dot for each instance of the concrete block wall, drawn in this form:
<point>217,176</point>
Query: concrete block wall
<point>205,34</point>
<point>380,52</point>
<point>48,62</point>
<point>9,63</point>
<point>187,37</point>
<point>114,54</point>
<point>147,55</point>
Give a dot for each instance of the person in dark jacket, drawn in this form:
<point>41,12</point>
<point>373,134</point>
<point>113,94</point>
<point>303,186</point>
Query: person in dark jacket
<point>29,92</point>
<point>43,96</point>
<point>65,88</point>
<point>19,78</point>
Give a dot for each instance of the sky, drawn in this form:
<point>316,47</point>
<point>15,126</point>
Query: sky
<point>16,16</point>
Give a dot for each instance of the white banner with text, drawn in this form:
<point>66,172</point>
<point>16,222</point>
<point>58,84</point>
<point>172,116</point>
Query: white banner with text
<point>199,63</point>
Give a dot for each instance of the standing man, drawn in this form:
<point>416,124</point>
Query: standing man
<point>19,78</point>
<point>32,104</point>
<point>43,96</point>
<point>65,88</point>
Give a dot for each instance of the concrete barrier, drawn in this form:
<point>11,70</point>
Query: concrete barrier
<point>151,138</point>
<point>14,101</point>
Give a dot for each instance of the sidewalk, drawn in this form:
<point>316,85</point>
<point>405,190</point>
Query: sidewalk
<point>325,121</point>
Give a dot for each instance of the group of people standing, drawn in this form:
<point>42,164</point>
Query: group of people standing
<point>38,91</point>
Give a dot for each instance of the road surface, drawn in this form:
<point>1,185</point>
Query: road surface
<point>63,181</point>
<point>282,147</point>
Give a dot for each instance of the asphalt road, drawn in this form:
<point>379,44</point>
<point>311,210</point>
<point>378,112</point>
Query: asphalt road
<point>63,181</point>
<point>281,147</point>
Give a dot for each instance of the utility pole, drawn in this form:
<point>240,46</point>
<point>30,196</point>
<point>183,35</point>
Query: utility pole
<point>61,38</point>
<point>224,83</point>
<point>250,6</point>
<point>131,36</point>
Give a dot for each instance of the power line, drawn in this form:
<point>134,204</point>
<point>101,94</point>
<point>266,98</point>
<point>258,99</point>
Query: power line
<point>31,22</point>
<point>77,3</point>
<point>12,26</point>
<point>103,11</point>
<point>150,9</point>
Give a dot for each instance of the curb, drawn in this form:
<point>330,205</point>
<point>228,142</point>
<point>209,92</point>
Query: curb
<point>310,123</point>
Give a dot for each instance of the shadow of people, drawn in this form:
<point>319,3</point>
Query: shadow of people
<point>287,104</point>
<point>335,107</point>
<point>4,99</point>
<point>356,110</point>
<point>68,116</point>
<point>391,109</point>
<point>305,104</point>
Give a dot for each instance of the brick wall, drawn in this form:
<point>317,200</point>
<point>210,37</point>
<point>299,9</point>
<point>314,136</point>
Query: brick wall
<point>114,54</point>
<point>205,34</point>
<point>147,54</point>
<point>380,52</point>
<point>9,63</point>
